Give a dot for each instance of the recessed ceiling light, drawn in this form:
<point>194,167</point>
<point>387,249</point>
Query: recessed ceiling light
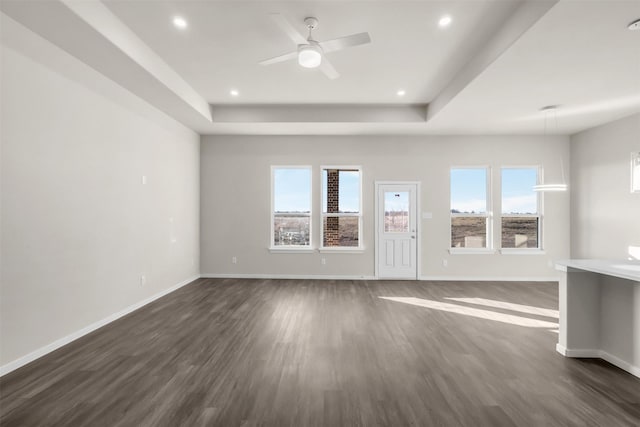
<point>635,25</point>
<point>401,92</point>
<point>180,22</point>
<point>445,21</point>
<point>234,92</point>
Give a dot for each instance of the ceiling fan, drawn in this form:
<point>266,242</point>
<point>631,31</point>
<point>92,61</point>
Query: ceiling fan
<point>312,53</point>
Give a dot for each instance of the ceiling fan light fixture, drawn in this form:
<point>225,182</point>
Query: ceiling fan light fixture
<point>309,55</point>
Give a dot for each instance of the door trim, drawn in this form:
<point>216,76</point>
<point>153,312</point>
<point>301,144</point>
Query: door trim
<point>377,185</point>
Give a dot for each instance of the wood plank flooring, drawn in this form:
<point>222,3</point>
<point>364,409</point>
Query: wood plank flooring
<point>229,352</point>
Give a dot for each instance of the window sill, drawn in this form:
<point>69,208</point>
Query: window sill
<point>341,250</point>
<point>472,251</point>
<point>527,251</point>
<point>290,250</point>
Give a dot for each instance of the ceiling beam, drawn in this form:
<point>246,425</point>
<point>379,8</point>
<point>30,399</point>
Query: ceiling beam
<point>89,31</point>
<point>522,19</point>
<point>313,113</point>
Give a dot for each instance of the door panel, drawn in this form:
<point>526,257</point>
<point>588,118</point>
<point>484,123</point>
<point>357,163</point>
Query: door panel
<point>390,252</point>
<point>406,253</point>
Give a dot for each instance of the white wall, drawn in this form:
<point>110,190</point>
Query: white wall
<point>605,215</point>
<point>78,227</point>
<point>235,200</point>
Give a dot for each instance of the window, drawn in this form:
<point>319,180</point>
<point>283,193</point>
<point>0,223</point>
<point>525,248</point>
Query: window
<point>291,201</point>
<point>470,224</point>
<point>396,212</point>
<point>341,207</point>
<point>520,208</point>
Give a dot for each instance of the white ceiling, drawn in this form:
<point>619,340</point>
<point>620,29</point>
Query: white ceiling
<point>225,41</point>
<point>490,72</point>
<point>579,56</point>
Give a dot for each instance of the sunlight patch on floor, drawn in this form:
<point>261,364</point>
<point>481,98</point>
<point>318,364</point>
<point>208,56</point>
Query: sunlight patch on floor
<point>474,312</point>
<point>528,309</point>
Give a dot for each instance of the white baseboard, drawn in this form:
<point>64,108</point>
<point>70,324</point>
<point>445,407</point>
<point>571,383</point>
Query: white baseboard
<point>632,369</point>
<point>578,352</point>
<point>561,349</point>
<point>283,276</point>
<point>362,277</point>
<point>11,366</point>
<point>599,354</point>
<point>492,278</point>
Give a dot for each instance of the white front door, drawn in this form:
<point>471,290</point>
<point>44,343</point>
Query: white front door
<point>396,231</point>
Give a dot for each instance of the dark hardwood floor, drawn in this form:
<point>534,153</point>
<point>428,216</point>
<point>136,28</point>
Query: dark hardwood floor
<point>228,352</point>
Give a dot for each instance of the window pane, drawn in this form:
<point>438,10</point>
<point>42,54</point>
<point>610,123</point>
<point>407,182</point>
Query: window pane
<point>292,190</point>
<point>292,206</point>
<point>291,230</point>
<point>396,212</point>
<point>341,191</point>
<point>520,232</point>
<point>341,231</point>
<point>518,196</point>
<point>469,190</point>
<point>349,191</point>
<point>469,232</point>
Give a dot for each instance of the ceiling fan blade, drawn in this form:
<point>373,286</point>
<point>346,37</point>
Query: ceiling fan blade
<point>281,58</point>
<point>289,29</point>
<point>327,69</point>
<point>344,42</point>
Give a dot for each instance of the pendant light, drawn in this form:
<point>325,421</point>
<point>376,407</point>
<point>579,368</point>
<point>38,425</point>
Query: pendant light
<point>550,112</point>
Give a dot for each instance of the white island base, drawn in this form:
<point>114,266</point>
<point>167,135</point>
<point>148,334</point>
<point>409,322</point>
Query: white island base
<point>599,302</point>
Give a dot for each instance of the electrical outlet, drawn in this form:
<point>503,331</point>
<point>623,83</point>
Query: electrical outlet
<point>234,260</point>
<point>143,280</point>
<point>444,262</point>
<point>323,261</point>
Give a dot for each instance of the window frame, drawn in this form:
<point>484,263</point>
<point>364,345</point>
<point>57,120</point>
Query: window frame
<point>291,248</point>
<point>489,246</point>
<point>539,207</point>
<point>323,215</point>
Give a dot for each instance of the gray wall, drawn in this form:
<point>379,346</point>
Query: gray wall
<point>235,200</point>
<point>605,215</point>
<point>78,227</point>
